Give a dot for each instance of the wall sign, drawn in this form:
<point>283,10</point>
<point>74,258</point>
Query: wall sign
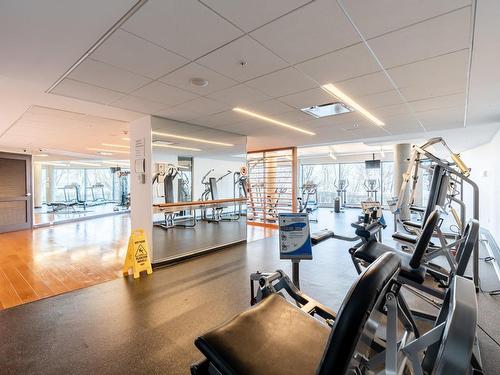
<point>295,238</point>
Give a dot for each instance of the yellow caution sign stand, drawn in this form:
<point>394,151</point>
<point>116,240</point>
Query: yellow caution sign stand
<point>137,254</point>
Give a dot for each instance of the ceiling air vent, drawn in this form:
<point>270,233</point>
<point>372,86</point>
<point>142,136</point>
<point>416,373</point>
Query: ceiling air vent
<point>329,109</point>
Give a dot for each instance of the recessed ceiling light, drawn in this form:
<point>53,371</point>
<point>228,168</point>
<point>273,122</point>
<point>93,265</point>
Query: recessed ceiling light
<point>199,82</point>
<point>125,139</point>
<point>272,121</point>
<point>332,90</point>
<point>113,145</point>
<point>42,155</point>
<point>176,147</point>
<point>105,153</point>
<point>108,152</point>
<point>169,135</point>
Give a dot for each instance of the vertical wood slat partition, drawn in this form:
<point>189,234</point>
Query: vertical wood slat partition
<point>272,180</point>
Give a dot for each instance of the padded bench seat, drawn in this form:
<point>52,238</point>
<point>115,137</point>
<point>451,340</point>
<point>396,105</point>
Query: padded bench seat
<point>410,238</point>
<point>370,251</point>
<point>272,332</point>
<point>413,224</point>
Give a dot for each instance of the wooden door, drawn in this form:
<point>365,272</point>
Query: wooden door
<point>16,210</point>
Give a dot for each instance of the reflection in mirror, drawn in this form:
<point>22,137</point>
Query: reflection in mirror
<point>199,189</point>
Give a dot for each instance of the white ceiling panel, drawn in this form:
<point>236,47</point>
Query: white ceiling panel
<point>437,36</point>
<point>380,99</point>
<point>107,76</point>
<point>374,18</point>
<point>134,103</point>
<point>137,55</point>
<point>179,114</point>
<point>438,71</point>
<point>181,78</point>
<point>270,107</point>
<point>442,118</point>
<point>80,90</point>
<point>310,31</point>
<point>239,95</point>
<point>294,117</point>
<point>283,82</point>
<point>365,85</point>
<point>249,15</point>
<point>227,60</point>
<point>450,87</point>
<point>307,98</point>
<point>160,92</point>
<point>185,27</point>
<point>340,65</point>
<point>440,102</point>
<point>392,110</point>
<point>219,119</point>
<point>203,106</point>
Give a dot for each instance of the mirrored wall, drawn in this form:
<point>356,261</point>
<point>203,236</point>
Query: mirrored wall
<point>199,189</point>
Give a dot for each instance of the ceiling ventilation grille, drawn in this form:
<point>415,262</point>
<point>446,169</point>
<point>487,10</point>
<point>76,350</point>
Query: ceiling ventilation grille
<point>329,109</point>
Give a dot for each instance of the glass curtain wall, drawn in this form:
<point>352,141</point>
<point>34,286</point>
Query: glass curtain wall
<point>326,176</point>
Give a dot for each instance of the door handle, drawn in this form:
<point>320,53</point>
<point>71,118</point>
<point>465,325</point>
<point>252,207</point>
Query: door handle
<point>27,195</point>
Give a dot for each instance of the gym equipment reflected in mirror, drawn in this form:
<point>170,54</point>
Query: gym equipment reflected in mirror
<point>199,190</point>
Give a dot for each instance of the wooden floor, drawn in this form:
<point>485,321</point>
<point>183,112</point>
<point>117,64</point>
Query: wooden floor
<point>43,262</point>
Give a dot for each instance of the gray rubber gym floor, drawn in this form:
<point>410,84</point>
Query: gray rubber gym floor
<point>148,325</point>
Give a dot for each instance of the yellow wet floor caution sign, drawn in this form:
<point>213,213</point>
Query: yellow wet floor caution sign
<point>137,254</point>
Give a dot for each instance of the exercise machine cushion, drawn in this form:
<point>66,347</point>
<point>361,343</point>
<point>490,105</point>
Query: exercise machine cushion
<point>413,224</point>
<point>410,238</point>
<point>418,209</point>
<point>273,337</point>
<point>372,250</point>
<point>320,236</point>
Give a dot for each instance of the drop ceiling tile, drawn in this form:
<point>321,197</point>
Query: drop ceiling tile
<point>176,113</point>
<point>84,91</point>
<point>136,104</point>
<point>239,95</point>
<point>365,85</point>
<point>442,118</point>
<point>160,92</point>
<point>181,78</point>
<point>137,55</point>
<point>294,117</point>
<point>374,18</point>
<point>437,36</point>
<point>227,60</point>
<point>340,65</point>
<point>283,82</point>
<point>107,76</point>
<point>393,110</point>
<point>380,99</point>
<point>440,102</point>
<point>219,119</point>
<point>307,98</point>
<point>269,107</point>
<point>204,106</point>
<point>249,15</point>
<point>186,27</point>
<point>310,31</point>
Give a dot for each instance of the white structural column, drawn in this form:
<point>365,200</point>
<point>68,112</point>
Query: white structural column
<point>141,190</point>
<point>37,185</point>
<point>402,153</point>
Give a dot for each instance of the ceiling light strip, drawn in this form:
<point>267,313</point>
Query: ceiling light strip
<point>176,147</point>
<point>111,152</point>
<point>113,145</point>
<point>170,135</point>
<point>333,90</point>
<point>100,41</point>
<point>272,121</point>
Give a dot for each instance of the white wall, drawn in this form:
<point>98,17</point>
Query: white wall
<point>141,194</point>
<point>485,172</point>
<point>225,186</point>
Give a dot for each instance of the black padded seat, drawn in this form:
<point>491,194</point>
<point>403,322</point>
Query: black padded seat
<point>410,238</point>
<point>272,333</point>
<point>371,251</point>
<point>413,224</point>
<point>418,209</point>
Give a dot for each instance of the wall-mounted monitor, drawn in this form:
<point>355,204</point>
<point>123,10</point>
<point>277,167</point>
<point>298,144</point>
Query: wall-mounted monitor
<point>372,164</point>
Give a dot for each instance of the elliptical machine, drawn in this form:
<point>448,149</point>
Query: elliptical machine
<point>304,201</point>
<point>372,186</point>
<point>341,188</point>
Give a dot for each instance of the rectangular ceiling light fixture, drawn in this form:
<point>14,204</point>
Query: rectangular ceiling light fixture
<point>272,121</point>
<point>169,135</point>
<point>107,152</point>
<point>324,110</point>
<point>113,145</point>
<point>332,90</point>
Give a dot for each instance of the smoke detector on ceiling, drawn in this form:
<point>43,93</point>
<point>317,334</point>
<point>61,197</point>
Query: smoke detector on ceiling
<point>198,82</point>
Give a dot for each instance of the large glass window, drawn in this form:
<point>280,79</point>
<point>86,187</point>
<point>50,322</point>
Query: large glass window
<point>327,176</point>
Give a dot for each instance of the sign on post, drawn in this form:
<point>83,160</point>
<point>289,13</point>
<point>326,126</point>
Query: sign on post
<point>295,238</point>
<point>137,254</point>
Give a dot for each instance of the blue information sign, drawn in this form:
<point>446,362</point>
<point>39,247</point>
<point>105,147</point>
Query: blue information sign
<point>295,238</point>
